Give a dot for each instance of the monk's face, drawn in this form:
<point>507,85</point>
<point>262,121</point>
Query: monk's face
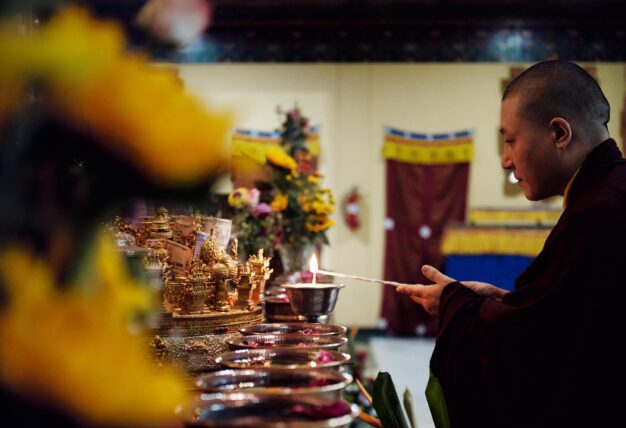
<point>530,152</point>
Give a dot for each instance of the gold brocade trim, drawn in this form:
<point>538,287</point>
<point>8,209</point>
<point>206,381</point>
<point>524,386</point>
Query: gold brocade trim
<point>486,216</point>
<point>523,242</point>
<point>568,187</point>
<point>428,152</point>
<point>256,148</point>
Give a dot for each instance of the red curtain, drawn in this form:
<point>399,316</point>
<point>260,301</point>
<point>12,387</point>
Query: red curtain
<point>421,200</point>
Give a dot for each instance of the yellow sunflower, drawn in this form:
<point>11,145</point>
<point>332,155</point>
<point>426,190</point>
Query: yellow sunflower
<point>322,207</point>
<point>319,224</point>
<point>277,156</point>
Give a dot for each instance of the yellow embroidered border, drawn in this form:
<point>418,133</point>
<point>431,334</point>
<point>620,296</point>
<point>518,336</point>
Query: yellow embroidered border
<point>438,152</point>
<point>489,216</point>
<point>472,241</point>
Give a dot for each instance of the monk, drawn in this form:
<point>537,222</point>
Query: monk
<point>549,353</point>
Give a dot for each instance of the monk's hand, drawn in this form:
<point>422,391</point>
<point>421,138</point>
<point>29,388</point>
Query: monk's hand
<point>427,295</point>
<point>481,288</point>
<point>485,290</point>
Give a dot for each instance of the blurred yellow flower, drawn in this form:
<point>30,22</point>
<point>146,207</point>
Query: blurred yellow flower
<point>280,203</point>
<point>139,112</point>
<point>315,179</point>
<point>278,157</point>
<point>319,224</point>
<point>322,207</point>
<point>73,348</point>
<point>237,198</point>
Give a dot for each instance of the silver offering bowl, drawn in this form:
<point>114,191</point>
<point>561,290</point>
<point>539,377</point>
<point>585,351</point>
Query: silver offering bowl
<point>294,341</point>
<point>286,358</point>
<point>313,301</point>
<point>314,329</point>
<point>280,381</point>
<point>266,411</point>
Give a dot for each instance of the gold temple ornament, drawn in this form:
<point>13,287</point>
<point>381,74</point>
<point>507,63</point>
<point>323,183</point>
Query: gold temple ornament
<point>207,292</point>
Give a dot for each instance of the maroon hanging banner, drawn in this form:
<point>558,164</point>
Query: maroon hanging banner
<point>427,182</point>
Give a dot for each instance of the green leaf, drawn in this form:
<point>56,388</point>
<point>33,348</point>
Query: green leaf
<point>408,407</point>
<point>437,402</point>
<point>386,402</point>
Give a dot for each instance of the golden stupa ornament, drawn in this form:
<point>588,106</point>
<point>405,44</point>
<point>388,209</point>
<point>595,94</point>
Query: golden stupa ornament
<point>160,225</point>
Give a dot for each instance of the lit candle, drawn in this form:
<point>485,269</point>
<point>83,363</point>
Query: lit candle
<point>313,267</point>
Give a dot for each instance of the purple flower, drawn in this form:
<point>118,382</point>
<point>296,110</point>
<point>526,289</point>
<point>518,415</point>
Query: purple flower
<point>262,210</point>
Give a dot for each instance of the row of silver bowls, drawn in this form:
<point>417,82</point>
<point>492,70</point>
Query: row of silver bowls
<point>278,375</point>
<point>267,411</point>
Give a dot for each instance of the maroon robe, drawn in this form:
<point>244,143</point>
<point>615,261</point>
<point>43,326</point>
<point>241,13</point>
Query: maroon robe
<point>551,353</point>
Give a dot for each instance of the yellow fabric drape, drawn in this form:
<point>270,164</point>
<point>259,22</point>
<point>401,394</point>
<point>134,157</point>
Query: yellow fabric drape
<point>428,152</point>
<point>516,217</point>
<point>503,241</point>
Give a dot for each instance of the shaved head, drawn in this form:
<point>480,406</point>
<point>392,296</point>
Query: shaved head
<point>560,89</point>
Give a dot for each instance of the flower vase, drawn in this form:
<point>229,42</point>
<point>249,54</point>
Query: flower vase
<point>296,257</point>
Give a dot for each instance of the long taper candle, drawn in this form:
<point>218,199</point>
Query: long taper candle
<point>360,278</point>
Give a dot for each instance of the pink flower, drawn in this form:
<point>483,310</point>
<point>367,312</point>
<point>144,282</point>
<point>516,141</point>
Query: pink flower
<point>253,197</point>
<point>262,210</point>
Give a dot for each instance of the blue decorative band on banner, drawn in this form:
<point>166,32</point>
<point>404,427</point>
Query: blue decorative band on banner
<point>428,148</point>
<point>253,144</point>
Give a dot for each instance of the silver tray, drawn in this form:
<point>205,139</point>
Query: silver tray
<point>313,329</point>
<point>327,384</point>
<point>301,341</point>
<point>282,357</point>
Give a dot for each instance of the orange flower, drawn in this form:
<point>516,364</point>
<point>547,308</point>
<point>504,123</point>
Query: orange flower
<point>280,203</point>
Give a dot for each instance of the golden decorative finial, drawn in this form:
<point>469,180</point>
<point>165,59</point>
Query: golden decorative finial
<point>160,225</point>
<point>233,248</point>
<point>219,272</point>
<point>210,252</point>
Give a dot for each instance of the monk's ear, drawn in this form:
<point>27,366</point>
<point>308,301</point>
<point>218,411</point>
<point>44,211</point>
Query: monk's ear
<point>561,132</point>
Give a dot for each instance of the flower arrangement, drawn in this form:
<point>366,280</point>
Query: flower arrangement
<point>257,223</point>
<point>297,212</point>
<point>84,127</point>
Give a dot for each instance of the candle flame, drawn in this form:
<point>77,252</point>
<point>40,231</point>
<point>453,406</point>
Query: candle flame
<point>313,267</point>
<point>313,264</point>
